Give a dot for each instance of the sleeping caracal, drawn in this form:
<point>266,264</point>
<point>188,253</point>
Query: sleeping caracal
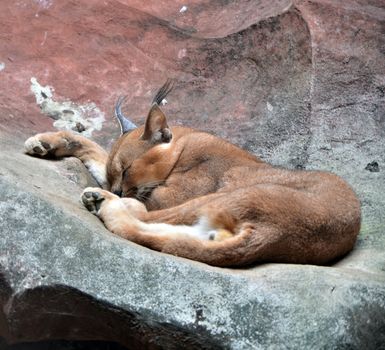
<point>194,195</point>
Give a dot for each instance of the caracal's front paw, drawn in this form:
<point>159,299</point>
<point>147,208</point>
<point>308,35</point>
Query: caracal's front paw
<point>93,198</point>
<point>36,145</point>
<point>118,214</point>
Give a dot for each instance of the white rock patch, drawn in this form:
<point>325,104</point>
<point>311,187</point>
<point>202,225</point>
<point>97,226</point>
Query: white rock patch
<point>183,9</point>
<point>68,115</point>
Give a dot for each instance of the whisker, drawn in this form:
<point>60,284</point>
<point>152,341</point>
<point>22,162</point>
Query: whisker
<point>150,185</point>
<point>143,191</point>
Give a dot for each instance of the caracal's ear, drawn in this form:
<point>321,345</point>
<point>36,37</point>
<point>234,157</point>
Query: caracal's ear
<point>156,129</point>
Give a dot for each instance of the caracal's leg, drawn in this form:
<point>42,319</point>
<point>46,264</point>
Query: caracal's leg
<point>67,144</point>
<point>120,216</point>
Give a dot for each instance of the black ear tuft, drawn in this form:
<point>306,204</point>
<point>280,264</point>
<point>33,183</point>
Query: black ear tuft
<point>163,91</point>
<point>125,124</point>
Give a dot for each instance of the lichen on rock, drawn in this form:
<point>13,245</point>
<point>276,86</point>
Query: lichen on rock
<point>82,118</point>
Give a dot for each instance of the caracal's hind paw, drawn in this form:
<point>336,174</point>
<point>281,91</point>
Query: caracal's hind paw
<point>93,198</point>
<point>36,146</point>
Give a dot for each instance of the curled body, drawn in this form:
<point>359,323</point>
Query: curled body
<point>191,194</point>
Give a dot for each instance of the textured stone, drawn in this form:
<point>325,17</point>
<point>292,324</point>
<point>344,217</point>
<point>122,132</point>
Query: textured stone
<point>300,83</point>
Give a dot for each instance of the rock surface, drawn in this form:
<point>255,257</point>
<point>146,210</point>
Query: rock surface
<point>300,83</point>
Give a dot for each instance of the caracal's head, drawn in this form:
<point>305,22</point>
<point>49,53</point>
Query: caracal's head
<point>130,170</point>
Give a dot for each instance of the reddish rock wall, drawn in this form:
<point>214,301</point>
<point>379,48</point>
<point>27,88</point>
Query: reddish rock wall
<point>233,66</point>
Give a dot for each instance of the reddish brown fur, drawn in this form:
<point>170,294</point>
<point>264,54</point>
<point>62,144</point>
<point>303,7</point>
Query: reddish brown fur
<point>276,215</point>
